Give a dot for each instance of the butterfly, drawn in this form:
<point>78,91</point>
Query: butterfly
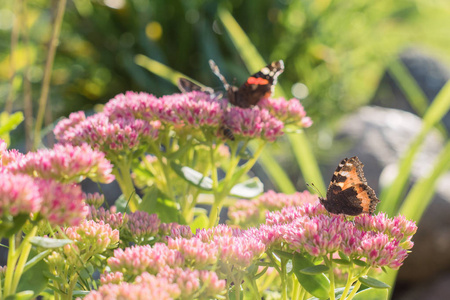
<point>348,192</point>
<point>259,85</point>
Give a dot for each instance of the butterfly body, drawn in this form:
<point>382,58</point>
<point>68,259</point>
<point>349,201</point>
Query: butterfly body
<point>258,86</point>
<point>348,192</point>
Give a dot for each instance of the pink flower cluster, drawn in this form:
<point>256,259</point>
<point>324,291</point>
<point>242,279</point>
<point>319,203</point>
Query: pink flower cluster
<point>57,202</point>
<point>146,287</point>
<point>378,240</point>
<point>91,237</point>
<point>18,194</point>
<point>168,284</point>
<point>288,111</point>
<point>62,203</point>
<point>252,212</point>
<point>132,119</point>
<point>65,163</point>
<point>142,226</point>
<point>123,135</point>
<point>139,259</point>
<point>109,216</point>
<point>253,123</point>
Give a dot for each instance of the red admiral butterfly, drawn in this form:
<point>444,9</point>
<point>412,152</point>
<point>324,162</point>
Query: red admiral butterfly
<point>348,192</point>
<point>259,85</point>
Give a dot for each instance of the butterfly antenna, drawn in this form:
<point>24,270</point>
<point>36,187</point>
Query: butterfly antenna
<point>315,187</point>
<point>216,72</point>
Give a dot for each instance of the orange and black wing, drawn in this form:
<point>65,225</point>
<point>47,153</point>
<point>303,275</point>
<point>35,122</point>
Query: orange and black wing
<point>348,192</point>
<point>259,85</point>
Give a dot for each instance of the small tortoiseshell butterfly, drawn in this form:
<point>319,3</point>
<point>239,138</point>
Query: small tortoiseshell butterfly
<point>259,85</point>
<point>348,192</point>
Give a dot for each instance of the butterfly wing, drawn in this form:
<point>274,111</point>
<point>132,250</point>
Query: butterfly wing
<point>348,192</point>
<point>186,86</point>
<point>259,85</point>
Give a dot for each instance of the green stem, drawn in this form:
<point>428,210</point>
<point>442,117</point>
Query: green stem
<point>295,290</point>
<point>24,250</point>
<point>10,266</point>
<point>329,264</point>
<point>123,177</point>
<point>358,284</point>
<point>53,43</point>
<point>349,283</point>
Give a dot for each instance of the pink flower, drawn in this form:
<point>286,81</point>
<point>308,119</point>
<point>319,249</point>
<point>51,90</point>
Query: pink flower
<point>19,194</point>
<point>114,278</point>
<point>115,219</point>
<point>62,203</point>
<point>181,111</point>
<point>113,137</point>
<point>138,259</point>
<point>93,237</point>
<point>194,283</point>
<point>95,199</point>
<point>145,287</point>
<point>253,123</point>
<point>8,156</point>
<point>196,253</point>
<point>288,111</point>
<point>142,226</point>
<point>65,124</point>
<point>252,212</point>
<point>65,163</point>
<point>174,230</point>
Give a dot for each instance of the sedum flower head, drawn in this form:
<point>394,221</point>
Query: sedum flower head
<point>252,212</point>
<point>139,259</point>
<point>19,194</point>
<point>145,287</point>
<point>196,253</point>
<point>194,284</point>
<point>288,111</point>
<point>109,216</point>
<point>113,137</point>
<point>378,240</point>
<point>91,238</point>
<point>95,199</point>
<point>65,163</point>
<point>62,203</point>
<point>112,277</point>
<point>142,226</point>
<point>253,123</point>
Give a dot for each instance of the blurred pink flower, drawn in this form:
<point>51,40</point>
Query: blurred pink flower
<point>65,163</point>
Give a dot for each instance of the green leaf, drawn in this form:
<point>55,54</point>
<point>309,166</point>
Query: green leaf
<point>10,225</point>
<point>10,122</point>
<point>36,259</point>
<point>318,269</point>
<point>49,243</point>
<point>392,195</point>
<point>343,256</point>
<point>200,222</point>
<point>373,283</point>
<point>337,293</point>
<point>193,177</point>
<point>283,254</point>
<point>372,294</point>
<point>155,202</point>
<point>80,293</point>
<point>25,295</point>
<point>248,189</point>
<point>359,262</point>
<point>341,261</point>
<point>33,279</point>
<point>317,285</point>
